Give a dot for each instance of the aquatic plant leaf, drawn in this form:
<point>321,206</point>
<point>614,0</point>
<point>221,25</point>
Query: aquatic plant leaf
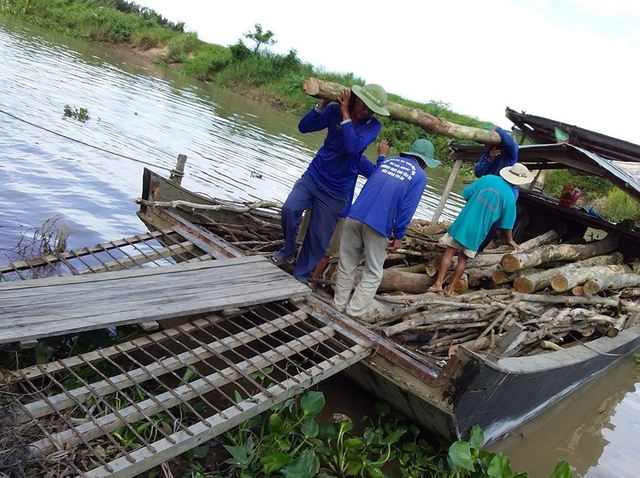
<point>499,467</point>
<point>350,443</point>
<point>375,472</point>
<point>382,409</point>
<point>241,455</point>
<point>310,428</point>
<point>190,373</point>
<point>201,451</point>
<point>43,352</point>
<point>395,436</point>
<point>476,437</point>
<point>312,403</point>
<point>562,470</point>
<point>306,466</point>
<point>355,464</point>
<point>274,461</point>
<point>276,424</point>
<point>459,456</point>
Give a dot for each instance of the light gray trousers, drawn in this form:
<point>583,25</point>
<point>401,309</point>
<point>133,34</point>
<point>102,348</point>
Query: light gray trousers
<point>358,239</point>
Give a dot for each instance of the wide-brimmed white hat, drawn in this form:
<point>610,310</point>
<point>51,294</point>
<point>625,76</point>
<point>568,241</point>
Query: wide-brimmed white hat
<point>518,174</point>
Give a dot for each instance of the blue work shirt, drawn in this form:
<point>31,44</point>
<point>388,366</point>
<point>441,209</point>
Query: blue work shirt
<point>508,157</point>
<point>335,166</point>
<point>390,196</point>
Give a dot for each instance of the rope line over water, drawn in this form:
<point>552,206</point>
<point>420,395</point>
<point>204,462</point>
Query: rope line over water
<point>81,142</point>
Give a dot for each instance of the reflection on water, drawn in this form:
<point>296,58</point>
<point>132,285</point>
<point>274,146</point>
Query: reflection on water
<point>142,115</point>
<point>596,430</point>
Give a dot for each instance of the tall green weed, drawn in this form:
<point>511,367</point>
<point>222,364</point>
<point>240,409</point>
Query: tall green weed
<point>619,206</point>
<point>207,62</point>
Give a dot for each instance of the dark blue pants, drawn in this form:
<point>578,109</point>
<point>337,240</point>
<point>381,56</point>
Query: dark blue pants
<point>326,211</point>
<point>492,233</point>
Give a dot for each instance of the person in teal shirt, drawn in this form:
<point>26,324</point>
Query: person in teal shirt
<point>490,199</point>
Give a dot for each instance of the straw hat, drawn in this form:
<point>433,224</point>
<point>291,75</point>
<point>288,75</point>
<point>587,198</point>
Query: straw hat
<point>518,174</point>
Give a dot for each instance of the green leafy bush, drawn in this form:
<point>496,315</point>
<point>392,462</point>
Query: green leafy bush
<point>619,206</point>
<point>207,62</point>
<point>182,46</point>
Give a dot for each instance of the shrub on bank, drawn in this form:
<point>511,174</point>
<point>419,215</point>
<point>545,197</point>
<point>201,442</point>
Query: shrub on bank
<point>619,206</point>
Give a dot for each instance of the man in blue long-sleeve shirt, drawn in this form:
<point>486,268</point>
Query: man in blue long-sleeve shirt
<point>382,210</point>
<point>330,179</point>
<point>491,162</point>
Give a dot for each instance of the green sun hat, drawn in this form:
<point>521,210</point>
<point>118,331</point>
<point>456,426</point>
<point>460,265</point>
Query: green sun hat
<point>373,96</point>
<point>423,149</point>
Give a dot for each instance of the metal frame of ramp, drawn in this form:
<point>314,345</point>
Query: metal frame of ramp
<point>124,409</point>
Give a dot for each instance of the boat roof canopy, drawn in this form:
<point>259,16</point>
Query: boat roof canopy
<point>585,152</point>
<point>540,130</point>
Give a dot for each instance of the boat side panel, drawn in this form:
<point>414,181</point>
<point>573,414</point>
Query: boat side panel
<point>500,400</point>
<point>395,386</point>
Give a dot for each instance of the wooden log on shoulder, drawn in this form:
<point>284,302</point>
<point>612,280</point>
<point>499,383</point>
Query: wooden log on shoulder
<point>536,281</point>
<point>551,252</point>
<point>326,90</point>
<point>621,281</point>
<point>567,279</point>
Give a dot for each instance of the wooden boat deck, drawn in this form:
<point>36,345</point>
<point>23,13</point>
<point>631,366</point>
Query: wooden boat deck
<point>64,305</point>
<point>246,341</point>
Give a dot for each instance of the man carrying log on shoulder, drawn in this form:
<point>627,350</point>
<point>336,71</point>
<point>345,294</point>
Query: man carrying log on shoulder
<point>490,200</point>
<point>496,157</point>
<point>326,185</point>
<point>382,210</point>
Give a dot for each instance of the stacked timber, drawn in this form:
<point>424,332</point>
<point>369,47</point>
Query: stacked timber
<point>541,297</point>
<point>544,296</point>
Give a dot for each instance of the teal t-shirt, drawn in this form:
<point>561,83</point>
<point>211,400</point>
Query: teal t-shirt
<point>489,199</point>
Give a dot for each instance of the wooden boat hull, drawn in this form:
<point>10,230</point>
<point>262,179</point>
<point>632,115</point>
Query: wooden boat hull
<point>499,396</point>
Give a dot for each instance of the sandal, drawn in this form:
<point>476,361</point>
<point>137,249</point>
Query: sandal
<point>278,259</point>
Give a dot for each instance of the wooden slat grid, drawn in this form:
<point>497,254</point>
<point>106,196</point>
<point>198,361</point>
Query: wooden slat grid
<point>144,250</point>
<point>124,409</point>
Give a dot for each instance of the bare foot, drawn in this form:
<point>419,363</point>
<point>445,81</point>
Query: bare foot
<point>434,288</point>
<point>449,291</point>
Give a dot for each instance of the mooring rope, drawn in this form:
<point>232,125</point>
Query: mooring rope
<point>79,141</point>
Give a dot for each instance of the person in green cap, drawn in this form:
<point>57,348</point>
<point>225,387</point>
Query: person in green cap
<point>328,183</point>
<point>381,213</point>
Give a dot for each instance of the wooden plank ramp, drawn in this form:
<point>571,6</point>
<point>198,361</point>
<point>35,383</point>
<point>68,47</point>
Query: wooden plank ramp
<point>125,409</point>
<point>65,305</point>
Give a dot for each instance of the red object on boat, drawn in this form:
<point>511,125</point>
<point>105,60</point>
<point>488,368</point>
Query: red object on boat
<point>569,197</point>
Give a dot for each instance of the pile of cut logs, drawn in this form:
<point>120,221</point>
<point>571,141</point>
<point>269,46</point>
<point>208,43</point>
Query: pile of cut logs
<point>543,296</point>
